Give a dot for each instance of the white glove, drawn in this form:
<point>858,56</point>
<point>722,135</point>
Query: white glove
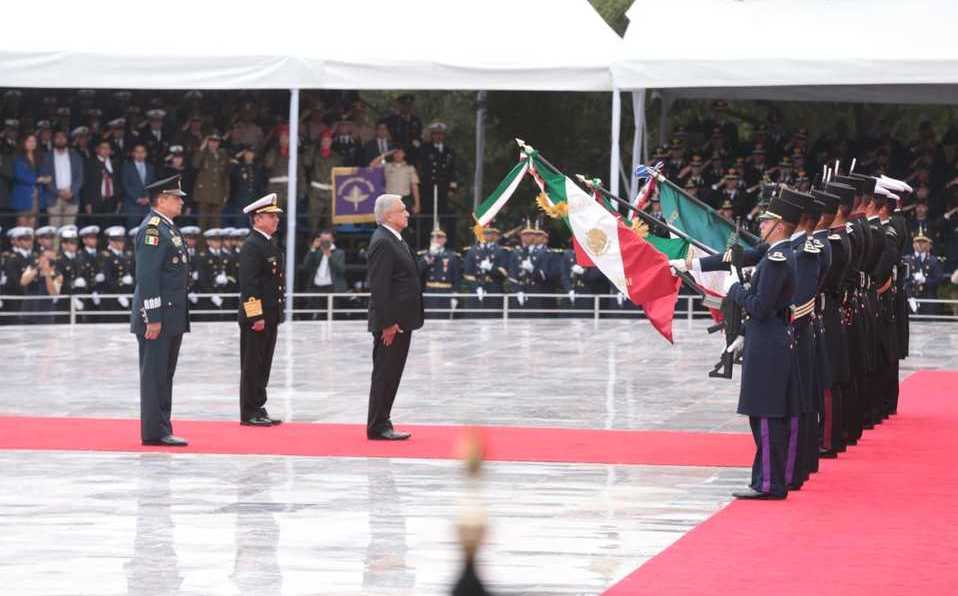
<point>454,303</point>
<point>79,283</point>
<point>571,295</point>
<point>96,299</point>
<point>195,275</point>
<point>1,303</point>
<point>919,277</point>
<point>77,304</point>
<point>913,304</point>
<point>193,298</point>
<point>481,293</point>
<point>954,277</point>
<point>217,301</point>
<point>735,348</point>
<point>99,278</point>
<point>679,265</point>
<point>124,301</point>
<point>527,265</point>
<point>3,278</point>
<point>485,265</point>
<point>521,298</point>
<point>620,298</point>
<point>578,269</point>
<point>220,279</point>
<point>127,280</point>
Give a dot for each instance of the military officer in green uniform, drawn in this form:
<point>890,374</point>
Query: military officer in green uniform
<point>160,314</point>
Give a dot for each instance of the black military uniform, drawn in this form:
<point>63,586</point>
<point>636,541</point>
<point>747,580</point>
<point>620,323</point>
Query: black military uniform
<point>925,274</point>
<point>441,272</point>
<point>69,266</point>
<point>530,272</point>
<point>437,168</point>
<point>405,128</point>
<point>262,297</point>
<point>578,280</point>
<point>115,276</point>
<point>770,385</point>
<point>162,278</point>
<point>16,262</point>
<point>211,273</point>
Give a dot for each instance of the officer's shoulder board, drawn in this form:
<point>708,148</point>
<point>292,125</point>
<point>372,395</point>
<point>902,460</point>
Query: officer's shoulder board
<point>777,256</point>
<point>891,231</point>
<point>154,221</point>
<point>849,228</point>
<point>834,236</point>
<point>810,247</point>
<point>151,236</point>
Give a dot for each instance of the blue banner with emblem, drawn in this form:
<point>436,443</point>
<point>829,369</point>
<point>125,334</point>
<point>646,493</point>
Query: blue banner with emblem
<point>354,194</point>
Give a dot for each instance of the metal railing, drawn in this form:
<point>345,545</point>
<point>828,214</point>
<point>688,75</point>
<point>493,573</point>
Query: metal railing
<point>81,308</point>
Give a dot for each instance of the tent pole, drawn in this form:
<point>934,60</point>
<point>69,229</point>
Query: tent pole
<point>291,197</point>
<point>480,148</point>
<point>638,109</point>
<point>614,157</point>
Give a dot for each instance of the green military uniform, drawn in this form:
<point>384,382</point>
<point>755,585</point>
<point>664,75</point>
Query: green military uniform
<point>162,279</point>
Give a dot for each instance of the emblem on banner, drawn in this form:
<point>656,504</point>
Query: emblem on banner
<point>597,241</point>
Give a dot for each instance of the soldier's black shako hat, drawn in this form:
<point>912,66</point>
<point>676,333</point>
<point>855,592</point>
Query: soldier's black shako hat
<point>783,208</point>
<point>844,192</point>
<point>858,184</point>
<point>828,200</point>
<point>167,186</point>
<point>867,184</point>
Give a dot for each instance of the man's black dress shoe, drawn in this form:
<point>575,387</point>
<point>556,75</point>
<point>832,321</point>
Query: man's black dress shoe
<point>273,421</point>
<point>168,441</point>
<point>257,421</point>
<point>389,435</point>
<point>755,495</point>
<point>794,487</point>
<point>828,454</point>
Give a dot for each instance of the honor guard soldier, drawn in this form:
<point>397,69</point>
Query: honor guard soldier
<point>211,269</point>
<point>441,270</point>
<point>191,235</point>
<point>485,271</point>
<point>578,280</point>
<point>161,313</point>
<point>925,273</point>
<point>529,270</point>
<point>70,267</point>
<point>262,298</point>
<point>770,382</point>
<point>116,269</point>
<point>20,258</point>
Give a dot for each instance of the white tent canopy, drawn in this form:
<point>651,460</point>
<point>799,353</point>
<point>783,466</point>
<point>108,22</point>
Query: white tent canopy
<point>284,44</point>
<point>883,51</point>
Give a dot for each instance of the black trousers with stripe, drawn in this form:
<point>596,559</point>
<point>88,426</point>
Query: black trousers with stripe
<point>768,468</point>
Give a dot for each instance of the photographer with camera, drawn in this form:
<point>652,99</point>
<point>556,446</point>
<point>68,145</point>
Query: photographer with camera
<point>324,270</point>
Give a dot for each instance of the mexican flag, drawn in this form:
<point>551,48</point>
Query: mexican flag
<point>695,219</point>
<point>488,209</point>
<point>636,267</point>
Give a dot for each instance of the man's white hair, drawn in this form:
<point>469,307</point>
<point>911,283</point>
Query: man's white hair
<point>383,203</point>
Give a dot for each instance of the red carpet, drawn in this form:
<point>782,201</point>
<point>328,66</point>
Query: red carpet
<point>882,519</point>
<point>503,443</point>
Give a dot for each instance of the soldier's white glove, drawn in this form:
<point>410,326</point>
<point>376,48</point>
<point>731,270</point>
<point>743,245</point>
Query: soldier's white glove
<point>919,277</point>
<point>99,278</point>
<point>217,301</point>
<point>954,277</point>
<point>193,298</point>
<point>913,304</point>
<point>578,269</point>
<point>571,295</point>
<point>195,275</point>
<point>127,280</point>
<point>454,303</point>
<point>77,304</point>
<point>485,265</point>
<point>521,298</point>
<point>124,301</point>
<point>620,298</point>
<point>3,278</point>
<point>96,299</point>
<point>481,293</point>
<point>1,303</point>
<point>79,283</point>
<point>735,348</point>
<point>679,265</point>
<point>220,279</point>
<point>527,265</point>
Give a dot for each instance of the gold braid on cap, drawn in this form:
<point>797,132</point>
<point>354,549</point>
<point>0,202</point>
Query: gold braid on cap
<point>553,210</point>
<point>640,228</point>
<point>480,231</point>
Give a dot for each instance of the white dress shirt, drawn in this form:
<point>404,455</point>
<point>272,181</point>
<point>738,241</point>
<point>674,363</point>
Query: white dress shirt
<point>61,169</point>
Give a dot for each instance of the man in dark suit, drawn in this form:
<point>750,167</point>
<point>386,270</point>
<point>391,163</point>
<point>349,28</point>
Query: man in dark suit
<point>380,145</point>
<point>101,192</point>
<point>395,311</point>
<point>160,314</point>
<point>135,176</point>
<point>324,271</point>
<point>262,294</point>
